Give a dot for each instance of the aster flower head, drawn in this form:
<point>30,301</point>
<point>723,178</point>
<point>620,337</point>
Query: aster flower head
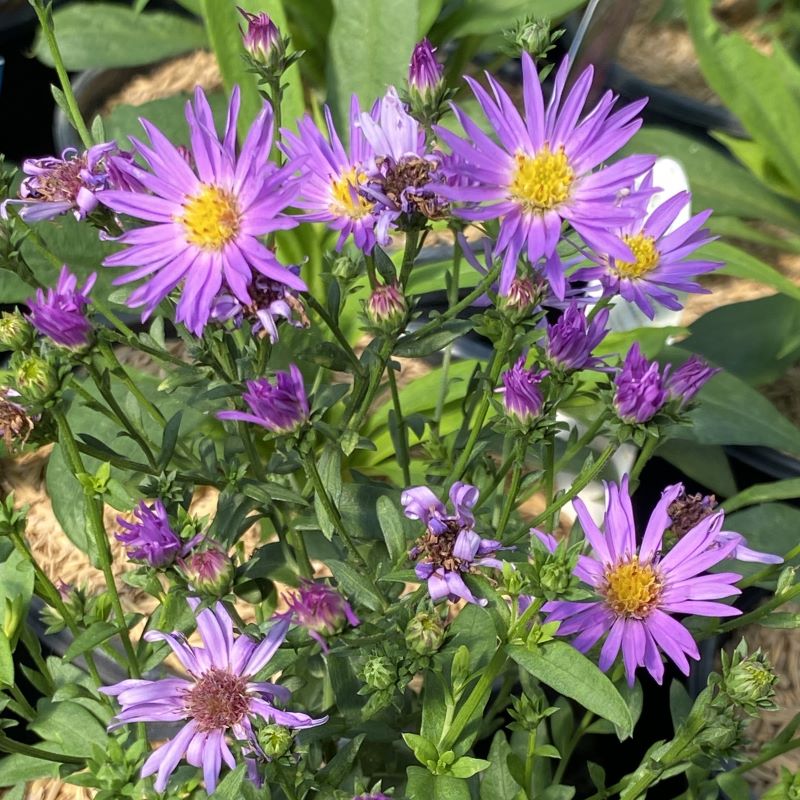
<point>662,264</point>
<point>687,380</point>
<point>332,177</point>
<point>204,220</point>
<point>522,398</point>
<point>637,590</point>
<point>572,338</point>
<point>320,609</point>
<point>218,697</point>
<point>151,539</point>
<point>60,313</point>
<point>545,169</point>
<point>640,388</point>
<point>272,302</point>
<point>449,548</point>
<point>55,186</point>
<point>281,407</point>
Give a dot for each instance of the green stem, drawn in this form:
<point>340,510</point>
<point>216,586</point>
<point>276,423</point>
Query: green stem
<point>586,439</point>
<point>645,453</point>
<point>452,299</point>
<point>497,480</point>
<point>95,520</point>
<point>409,256</point>
<point>766,755</point>
<point>25,708</point>
<point>549,478</point>
<point>402,433</point>
<point>571,745</point>
<point>106,311</point>
<point>46,23</point>
<point>496,365</point>
<point>529,765</point>
<point>10,746</point>
<point>367,395</point>
<point>323,314</point>
<point>35,651</point>
<point>513,491</point>
<point>581,482</point>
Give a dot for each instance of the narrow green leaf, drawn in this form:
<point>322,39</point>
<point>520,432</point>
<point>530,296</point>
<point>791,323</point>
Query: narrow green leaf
<point>89,639</point>
<point>744,265</point>
<point>435,341</point>
<point>787,489</point>
<point>6,661</point>
<point>354,585</point>
<point>393,527</point>
<point>569,672</point>
<point>230,787</point>
<point>330,470</point>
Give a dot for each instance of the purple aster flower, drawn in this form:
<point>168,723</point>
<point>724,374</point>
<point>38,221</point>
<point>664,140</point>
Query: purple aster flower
<point>522,398</point>
<point>332,177</point>
<point>204,222</point>
<point>687,380</point>
<point>541,171</point>
<point>638,590</point>
<point>404,177</point>
<point>60,314</point>
<point>449,548</point>
<point>272,302</point>
<point>70,183</point>
<point>641,388</point>
<point>661,265</point>
<point>281,407</point>
<point>687,510</point>
<point>219,697</point>
<point>320,609</point>
<point>571,340</point>
<point>425,73</point>
<point>151,539</point>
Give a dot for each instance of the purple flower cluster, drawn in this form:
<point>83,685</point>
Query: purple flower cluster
<point>60,313</point>
<point>449,548</point>
<point>281,407</point>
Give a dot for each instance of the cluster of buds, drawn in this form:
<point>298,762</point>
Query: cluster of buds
<point>266,49</point>
<point>529,710</point>
<point>534,36</point>
<point>36,378</point>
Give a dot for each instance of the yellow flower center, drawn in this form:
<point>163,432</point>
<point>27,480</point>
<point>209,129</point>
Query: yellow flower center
<point>632,589</point>
<point>646,254</point>
<point>346,201</point>
<point>211,218</point>
<point>541,182</point>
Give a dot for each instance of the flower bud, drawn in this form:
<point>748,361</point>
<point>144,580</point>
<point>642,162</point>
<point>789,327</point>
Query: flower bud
<point>263,41</point>
<point>425,73</point>
<point>532,35</point>
<point>523,296</point>
<point>36,379</point>
<point>275,740</point>
<point>424,633</point>
<point>522,398</point>
<point>208,571</point>
<point>379,672</point>
<point>688,379</point>
<point>386,307</point>
<point>15,332</point>
<point>748,680</point>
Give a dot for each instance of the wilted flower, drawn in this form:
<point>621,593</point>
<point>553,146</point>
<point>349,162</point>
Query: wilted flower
<point>449,548</point>
<point>208,571</point>
<point>641,390</point>
<point>572,338</point>
<point>151,539</point>
<point>15,424</point>
<point>386,306</point>
<point>540,172</point>
<point>687,380</point>
<point>61,313</point>
<point>205,222</point>
<point>660,265</point>
<point>272,302</point>
<point>638,589</point>
<point>15,332</point>
<point>281,407</point>
<point>70,183</point>
<point>218,697</point>
<point>320,609</point>
<point>522,398</point>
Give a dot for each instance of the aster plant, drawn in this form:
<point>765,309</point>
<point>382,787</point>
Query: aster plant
<point>344,549</point>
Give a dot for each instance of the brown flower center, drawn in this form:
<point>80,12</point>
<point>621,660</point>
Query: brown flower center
<point>404,179</point>
<point>438,549</point>
<point>218,700</point>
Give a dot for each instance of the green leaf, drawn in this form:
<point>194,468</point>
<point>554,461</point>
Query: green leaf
<point>421,784</point>
<point>231,786</point>
<point>109,35</point>
<point>90,638</point>
<point>16,581</point>
<point>70,726</point>
<point>466,767</point>
<point>20,769</point>
<point>569,672</point>
<point>734,786</point>
<point>788,489</point>
<point>330,471</point>
<point>497,782</point>
<point>749,339</point>
<point>707,464</point>
<point>354,584</point>
<point>424,750</point>
<point>338,768</point>
<point>781,619</point>
<point>482,17</point>
<point>369,47</point>
<point>393,528</point>
<point>6,661</point>
<point>741,264</point>
<point>412,347</point>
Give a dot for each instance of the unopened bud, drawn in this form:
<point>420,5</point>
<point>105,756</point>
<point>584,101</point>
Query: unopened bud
<point>387,307</point>
<point>262,40</point>
<point>523,296</point>
<point>275,740</point>
<point>208,571</point>
<point>36,379</point>
<point>346,267</point>
<point>748,681</point>
<point>424,633</point>
<point>16,333</point>
<point>425,73</point>
<point>532,35</point>
<point>379,672</point>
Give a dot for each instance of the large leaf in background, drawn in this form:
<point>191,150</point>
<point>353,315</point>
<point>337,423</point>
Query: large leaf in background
<point>731,412</point>
<point>757,340</point>
<point>16,579</point>
<point>759,89</point>
<point>706,464</point>
<point>740,264</point>
<point>370,44</point>
<point>111,35</point>
<point>482,17</point>
<point>716,180</point>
